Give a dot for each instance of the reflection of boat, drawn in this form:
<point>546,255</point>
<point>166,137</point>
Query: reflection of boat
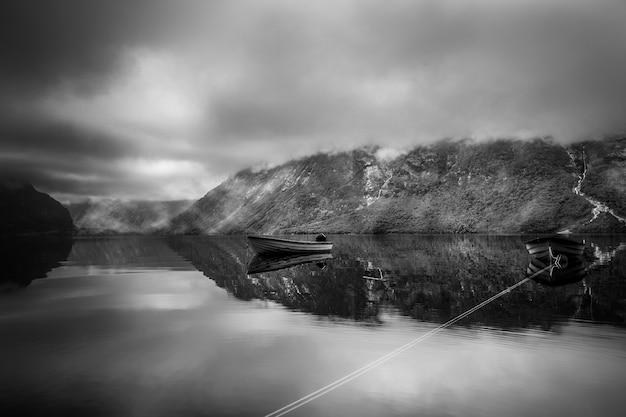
<point>556,260</point>
<point>270,244</point>
<point>266,263</point>
<point>574,271</point>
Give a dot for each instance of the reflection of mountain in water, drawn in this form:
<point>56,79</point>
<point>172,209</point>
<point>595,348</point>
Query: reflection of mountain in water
<point>333,291</point>
<point>124,252</point>
<point>606,279</point>
<point>29,258</point>
<point>431,278</point>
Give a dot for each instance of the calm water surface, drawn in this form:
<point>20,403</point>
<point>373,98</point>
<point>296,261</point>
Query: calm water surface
<point>132,326</point>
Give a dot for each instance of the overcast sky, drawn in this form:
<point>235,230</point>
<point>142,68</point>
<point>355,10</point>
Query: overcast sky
<point>157,99</point>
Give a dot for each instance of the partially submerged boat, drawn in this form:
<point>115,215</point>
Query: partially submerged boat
<point>556,260</point>
<point>270,244</point>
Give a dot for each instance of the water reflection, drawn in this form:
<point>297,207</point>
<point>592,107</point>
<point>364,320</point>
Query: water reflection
<point>127,326</point>
<point>267,263</point>
<point>124,252</point>
<point>27,258</point>
<point>429,278</point>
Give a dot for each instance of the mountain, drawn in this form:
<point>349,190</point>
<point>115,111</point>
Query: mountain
<point>602,181</point>
<point>124,217</point>
<point>24,210</point>
<point>500,186</point>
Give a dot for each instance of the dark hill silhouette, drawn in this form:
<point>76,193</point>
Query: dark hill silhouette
<point>24,210</point>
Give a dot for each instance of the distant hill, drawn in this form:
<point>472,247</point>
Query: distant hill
<point>500,186</point>
<point>124,217</point>
<point>24,210</point>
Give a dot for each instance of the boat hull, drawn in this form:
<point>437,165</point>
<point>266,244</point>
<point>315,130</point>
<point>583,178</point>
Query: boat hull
<point>270,244</point>
<point>540,247</point>
<point>556,261</point>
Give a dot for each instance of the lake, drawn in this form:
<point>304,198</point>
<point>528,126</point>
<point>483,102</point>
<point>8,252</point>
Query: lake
<point>175,326</point>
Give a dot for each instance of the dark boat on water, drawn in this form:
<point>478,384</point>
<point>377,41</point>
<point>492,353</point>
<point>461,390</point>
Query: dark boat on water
<point>556,260</point>
<point>274,262</point>
<point>271,244</point>
<point>542,246</point>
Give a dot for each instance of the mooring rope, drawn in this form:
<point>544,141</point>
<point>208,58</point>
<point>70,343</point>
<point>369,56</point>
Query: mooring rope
<point>344,380</point>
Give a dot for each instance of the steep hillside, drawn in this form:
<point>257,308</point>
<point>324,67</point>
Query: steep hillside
<point>500,186</point>
<point>602,182</point>
<point>116,216</point>
<point>24,210</point>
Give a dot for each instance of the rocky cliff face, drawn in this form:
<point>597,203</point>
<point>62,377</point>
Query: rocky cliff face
<point>24,210</point>
<point>601,168</point>
<point>450,187</point>
<point>124,217</point>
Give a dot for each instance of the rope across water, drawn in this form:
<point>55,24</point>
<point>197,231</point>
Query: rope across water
<point>344,380</point>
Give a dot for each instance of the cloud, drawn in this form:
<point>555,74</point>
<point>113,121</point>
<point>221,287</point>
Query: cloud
<point>72,160</point>
<point>224,85</point>
<point>80,45</point>
<point>409,71</point>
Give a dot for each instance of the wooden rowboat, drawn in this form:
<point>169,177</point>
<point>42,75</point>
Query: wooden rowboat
<point>271,244</point>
